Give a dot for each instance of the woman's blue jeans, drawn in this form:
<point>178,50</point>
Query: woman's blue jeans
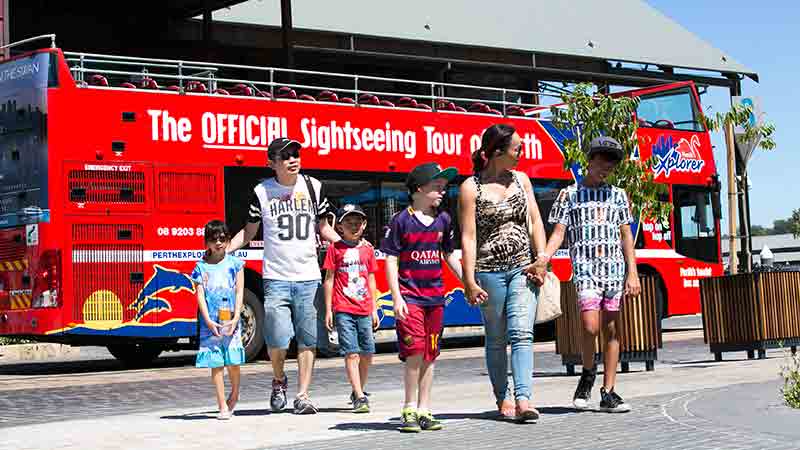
<point>508,318</point>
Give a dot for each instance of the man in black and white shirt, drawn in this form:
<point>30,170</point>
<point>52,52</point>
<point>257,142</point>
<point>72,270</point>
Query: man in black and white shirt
<point>291,207</point>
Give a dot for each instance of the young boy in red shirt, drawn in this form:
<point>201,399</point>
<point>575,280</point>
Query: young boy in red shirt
<point>350,299</point>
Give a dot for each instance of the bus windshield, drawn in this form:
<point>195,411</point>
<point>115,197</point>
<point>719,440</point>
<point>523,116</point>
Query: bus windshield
<point>23,140</point>
<point>674,109</point>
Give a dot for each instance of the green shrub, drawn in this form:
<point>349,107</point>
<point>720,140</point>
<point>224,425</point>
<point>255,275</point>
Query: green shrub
<point>791,381</point>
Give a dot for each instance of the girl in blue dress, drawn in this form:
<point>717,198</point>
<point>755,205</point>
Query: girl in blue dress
<point>219,280</point>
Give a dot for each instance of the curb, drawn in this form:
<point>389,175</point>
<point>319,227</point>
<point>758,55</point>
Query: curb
<point>36,352</point>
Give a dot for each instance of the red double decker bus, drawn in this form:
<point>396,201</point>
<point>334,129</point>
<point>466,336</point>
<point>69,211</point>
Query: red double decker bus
<point>110,167</point>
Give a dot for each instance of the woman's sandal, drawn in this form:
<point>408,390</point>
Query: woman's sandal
<point>528,416</point>
<point>506,409</point>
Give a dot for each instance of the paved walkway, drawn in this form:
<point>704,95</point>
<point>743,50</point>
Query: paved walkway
<point>689,402</point>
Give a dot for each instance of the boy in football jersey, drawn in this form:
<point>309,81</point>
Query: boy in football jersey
<point>415,242</point>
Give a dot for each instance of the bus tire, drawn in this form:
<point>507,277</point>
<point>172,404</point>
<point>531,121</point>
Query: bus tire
<point>252,321</point>
<point>135,355</point>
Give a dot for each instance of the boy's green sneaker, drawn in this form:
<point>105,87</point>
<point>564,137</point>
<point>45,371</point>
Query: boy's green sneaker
<point>428,423</point>
<point>361,405</point>
<point>410,423</point>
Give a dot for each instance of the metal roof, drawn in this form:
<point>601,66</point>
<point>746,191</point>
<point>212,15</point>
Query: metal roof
<point>784,247</point>
<point>616,30</point>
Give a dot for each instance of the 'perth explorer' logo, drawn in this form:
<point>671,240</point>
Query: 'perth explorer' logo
<point>162,281</point>
<point>681,157</point>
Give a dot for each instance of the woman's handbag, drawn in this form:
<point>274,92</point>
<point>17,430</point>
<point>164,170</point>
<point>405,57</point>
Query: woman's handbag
<point>549,306</point>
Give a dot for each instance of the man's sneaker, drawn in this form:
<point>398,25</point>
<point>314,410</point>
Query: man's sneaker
<point>612,402</point>
<point>277,400</point>
<point>303,405</point>
<point>584,391</point>
<point>409,424</point>
<point>361,405</point>
<point>428,423</point>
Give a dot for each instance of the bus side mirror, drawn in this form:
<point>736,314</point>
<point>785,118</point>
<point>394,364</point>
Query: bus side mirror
<point>716,203</point>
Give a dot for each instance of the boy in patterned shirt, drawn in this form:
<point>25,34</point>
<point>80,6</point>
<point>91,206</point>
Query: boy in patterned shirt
<point>597,218</point>
<point>416,241</point>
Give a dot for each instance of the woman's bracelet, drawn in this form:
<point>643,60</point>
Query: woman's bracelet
<point>543,256</point>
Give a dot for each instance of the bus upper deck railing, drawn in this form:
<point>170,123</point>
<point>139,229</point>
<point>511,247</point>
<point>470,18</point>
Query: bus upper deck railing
<point>191,77</point>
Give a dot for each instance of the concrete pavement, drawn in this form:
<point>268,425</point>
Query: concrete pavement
<point>689,402</point>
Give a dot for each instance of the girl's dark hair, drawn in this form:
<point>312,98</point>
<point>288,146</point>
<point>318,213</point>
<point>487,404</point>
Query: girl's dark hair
<point>496,137</point>
<point>215,229</point>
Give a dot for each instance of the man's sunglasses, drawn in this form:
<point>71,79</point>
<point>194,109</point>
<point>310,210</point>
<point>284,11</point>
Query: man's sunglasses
<point>287,153</point>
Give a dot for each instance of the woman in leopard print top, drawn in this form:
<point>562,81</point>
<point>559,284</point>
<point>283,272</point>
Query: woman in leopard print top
<point>494,207</point>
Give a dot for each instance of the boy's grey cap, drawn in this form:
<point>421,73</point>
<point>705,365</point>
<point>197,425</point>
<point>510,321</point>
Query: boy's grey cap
<point>607,145</point>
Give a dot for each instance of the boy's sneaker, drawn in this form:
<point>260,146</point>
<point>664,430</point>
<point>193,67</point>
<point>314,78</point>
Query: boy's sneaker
<point>277,400</point>
<point>584,391</point>
<point>410,423</point>
<point>303,405</point>
<point>361,405</point>
<point>353,396</point>
<point>612,402</point>
<point>428,423</point>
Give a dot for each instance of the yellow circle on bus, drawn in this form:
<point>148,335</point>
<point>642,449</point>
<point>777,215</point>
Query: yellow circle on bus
<point>102,309</point>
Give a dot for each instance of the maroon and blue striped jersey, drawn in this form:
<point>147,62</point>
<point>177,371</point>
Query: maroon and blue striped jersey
<point>419,249</point>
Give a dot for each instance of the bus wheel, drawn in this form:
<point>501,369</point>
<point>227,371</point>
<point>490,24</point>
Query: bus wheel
<point>135,355</point>
<point>252,320</point>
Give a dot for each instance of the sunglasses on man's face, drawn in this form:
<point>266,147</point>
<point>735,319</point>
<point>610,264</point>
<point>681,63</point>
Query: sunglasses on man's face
<point>287,153</point>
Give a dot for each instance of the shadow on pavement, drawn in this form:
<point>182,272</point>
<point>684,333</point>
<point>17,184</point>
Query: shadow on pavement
<point>87,366</point>
<point>193,416</point>
<point>258,412</point>
<point>368,426</point>
<point>559,410</point>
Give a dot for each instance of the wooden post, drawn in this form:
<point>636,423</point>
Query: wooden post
<point>733,260</point>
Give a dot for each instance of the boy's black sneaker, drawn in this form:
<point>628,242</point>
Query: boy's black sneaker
<point>611,402</point>
<point>584,391</point>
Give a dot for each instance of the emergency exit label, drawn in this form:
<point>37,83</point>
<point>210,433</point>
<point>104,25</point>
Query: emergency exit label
<point>32,234</point>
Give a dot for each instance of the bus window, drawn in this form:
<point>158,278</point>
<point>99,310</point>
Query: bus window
<point>394,197</point>
<point>674,110</point>
<point>546,192</point>
<point>23,140</point>
<point>695,223</point>
<point>361,192</point>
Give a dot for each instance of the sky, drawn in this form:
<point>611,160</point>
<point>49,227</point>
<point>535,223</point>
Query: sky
<point>763,37</point>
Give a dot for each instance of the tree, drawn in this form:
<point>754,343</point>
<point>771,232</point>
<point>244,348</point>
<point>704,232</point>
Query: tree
<point>587,115</point>
<point>795,223</point>
<point>758,230</point>
<point>782,226</point>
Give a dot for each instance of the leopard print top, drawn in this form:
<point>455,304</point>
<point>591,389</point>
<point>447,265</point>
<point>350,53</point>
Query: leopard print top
<point>502,231</point>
